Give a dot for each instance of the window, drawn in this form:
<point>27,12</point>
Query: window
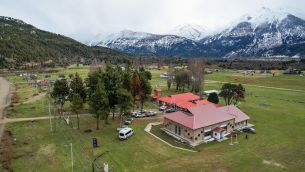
<point>202,131</point>
<point>195,138</point>
<point>188,134</point>
<point>185,130</point>
<point>198,135</point>
<point>209,133</point>
<point>215,134</point>
<point>191,138</point>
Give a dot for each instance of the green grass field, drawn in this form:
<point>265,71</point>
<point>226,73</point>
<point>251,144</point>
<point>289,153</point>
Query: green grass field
<point>278,145</point>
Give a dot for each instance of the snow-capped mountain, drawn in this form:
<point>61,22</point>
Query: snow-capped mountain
<point>147,43</point>
<point>264,33</point>
<point>193,32</point>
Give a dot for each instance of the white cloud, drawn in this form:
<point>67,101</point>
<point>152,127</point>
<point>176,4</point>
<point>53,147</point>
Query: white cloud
<point>84,18</point>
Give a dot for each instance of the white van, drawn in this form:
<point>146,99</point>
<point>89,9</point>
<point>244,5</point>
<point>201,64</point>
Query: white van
<point>125,133</point>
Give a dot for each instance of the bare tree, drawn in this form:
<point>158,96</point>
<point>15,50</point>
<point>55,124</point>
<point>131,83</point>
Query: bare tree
<point>197,72</point>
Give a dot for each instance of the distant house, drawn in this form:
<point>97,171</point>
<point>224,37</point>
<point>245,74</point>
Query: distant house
<point>176,99</point>
<point>204,123</point>
<point>208,92</point>
<point>164,75</point>
<point>183,101</point>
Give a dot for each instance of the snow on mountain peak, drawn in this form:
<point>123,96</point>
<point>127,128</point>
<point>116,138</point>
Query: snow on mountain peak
<point>102,39</point>
<point>265,15</point>
<point>193,32</point>
<point>131,34</point>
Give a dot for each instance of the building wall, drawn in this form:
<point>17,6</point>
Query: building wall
<point>240,125</point>
<point>199,133</point>
<point>186,133</point>
<point>196,136</point>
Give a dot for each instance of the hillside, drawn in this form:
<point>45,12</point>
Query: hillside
<point>21,42</point>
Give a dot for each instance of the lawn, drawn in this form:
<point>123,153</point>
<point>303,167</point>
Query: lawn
<point>278,145</point>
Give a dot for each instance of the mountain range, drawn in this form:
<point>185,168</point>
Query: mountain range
<point>262,34</point>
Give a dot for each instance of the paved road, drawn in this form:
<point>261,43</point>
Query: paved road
<point>5,99</point>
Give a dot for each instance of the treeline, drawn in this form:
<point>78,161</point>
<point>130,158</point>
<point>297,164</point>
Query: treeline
<point>106,89</point>
<point>191,78</point>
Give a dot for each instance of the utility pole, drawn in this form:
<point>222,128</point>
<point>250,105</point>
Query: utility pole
<point>72,156</point>
<point>54,112</point>
<point>236,139</point>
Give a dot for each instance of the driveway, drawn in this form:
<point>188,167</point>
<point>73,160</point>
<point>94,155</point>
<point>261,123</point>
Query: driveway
<point>5,100</point>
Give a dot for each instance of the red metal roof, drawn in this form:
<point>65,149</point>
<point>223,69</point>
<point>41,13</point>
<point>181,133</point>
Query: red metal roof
<point>234,111</point>
<point>218,129</point>
<point>179,98</point>
<point>201,116</point>
<point>186,105</point>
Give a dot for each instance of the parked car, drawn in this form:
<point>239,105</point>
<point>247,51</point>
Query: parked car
<point>170,110</point>
<point>128,121</point>
<point>135,113</point>
<point>122,127</point>
<point>125,133</point>
<point>130,118</point>
<point>162,108</point>
<point>151,113</point>
<point>139,115</point>
<point>249,130</point>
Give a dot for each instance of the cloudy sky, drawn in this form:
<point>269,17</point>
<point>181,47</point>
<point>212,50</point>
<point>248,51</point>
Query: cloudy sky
<point>82,19</point>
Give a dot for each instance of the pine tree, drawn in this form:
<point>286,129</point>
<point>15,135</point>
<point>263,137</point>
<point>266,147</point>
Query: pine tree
<point>60,93</point>
<point>76,105</point>
<point>99,103</point>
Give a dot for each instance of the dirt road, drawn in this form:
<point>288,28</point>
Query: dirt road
<point>258,86</point>
<point>5,98</point>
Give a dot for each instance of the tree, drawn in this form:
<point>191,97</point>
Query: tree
<point>170,77</point>
<point>99,104</point>
<point>232,93</point>
<point>213,97</point>
<point>126,79</point>
<point>182,79</point>
<point>60,93</point>
<point>112,82</point>
<point>147,74</point>
<point>76,105</point>
<point>196,72</point>
<point>135,87</point>
<point>77,86</point>
<point>93,78</point>
<point>124,101</point>
<point>169,83</point>
<point>145,89</point>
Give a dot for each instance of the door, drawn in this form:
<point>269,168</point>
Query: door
<point>221,135</point>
